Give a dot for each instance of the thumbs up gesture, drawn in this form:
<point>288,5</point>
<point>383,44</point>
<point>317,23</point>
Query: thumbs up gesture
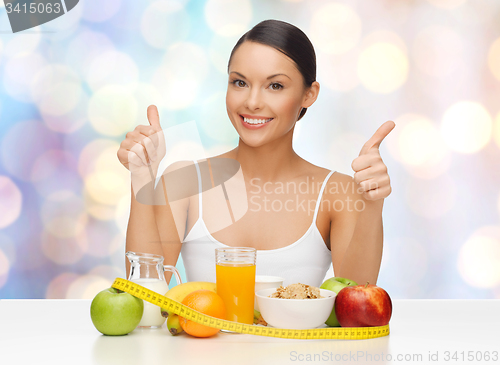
<point>143,149</point>
<point>370,172</point>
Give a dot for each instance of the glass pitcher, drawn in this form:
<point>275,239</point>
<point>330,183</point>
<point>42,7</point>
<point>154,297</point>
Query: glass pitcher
<point>148,270</point>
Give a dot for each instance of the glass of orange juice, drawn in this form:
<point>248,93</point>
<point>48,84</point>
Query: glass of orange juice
<point>235,276</point>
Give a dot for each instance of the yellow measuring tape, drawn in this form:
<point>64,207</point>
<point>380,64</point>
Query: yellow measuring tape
<point>336,333</point>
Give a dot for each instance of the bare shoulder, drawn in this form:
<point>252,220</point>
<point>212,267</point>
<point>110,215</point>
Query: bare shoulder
<point>228,154</point>
<point>178,165</point>
<point>343,195</point>
<point>188,165</point>
<point>341,178</point>
<point>311,170</point>
<point>179,182</point>
<point>337,184</point>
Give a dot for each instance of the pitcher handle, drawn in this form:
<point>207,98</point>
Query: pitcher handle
<point>174,271</point>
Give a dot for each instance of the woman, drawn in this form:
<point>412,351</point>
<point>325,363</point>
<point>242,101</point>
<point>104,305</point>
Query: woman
<point>272,73</point>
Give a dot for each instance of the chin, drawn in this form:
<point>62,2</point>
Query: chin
<point>253,142</point>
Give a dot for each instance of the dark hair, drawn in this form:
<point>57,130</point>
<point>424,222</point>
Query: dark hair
<point>289,40</point>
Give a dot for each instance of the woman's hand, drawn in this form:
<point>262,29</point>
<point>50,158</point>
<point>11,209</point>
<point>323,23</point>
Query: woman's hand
<point>142,151</point>
<point>141,144</point>
<point>370,172</point>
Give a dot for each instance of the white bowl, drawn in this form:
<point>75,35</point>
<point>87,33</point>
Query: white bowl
<point>295,313</point>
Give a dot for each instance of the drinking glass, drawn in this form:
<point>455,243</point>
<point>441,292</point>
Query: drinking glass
<point>235,275</point>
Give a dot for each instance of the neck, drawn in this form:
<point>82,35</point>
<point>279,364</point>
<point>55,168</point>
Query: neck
<point>273,161</point>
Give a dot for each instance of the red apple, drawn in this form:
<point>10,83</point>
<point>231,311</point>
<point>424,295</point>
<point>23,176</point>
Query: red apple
<point>363,306</point>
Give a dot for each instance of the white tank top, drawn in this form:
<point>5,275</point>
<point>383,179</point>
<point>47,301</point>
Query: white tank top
<point>306,260</point>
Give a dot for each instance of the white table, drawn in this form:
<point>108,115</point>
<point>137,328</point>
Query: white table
<point>61,332</point>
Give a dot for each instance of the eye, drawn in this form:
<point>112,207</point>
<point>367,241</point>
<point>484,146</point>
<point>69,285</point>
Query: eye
<point>237,81</point>
<point>279,86</point>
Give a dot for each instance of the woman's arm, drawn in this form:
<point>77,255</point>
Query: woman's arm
<point>142,231</point>
<point>356,235</point>
<point>361,254</point>
<point>158,229</point>
<point>169,232</point>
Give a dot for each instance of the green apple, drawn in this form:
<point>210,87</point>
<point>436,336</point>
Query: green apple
<point>115,312</point>
<point>336,285</point>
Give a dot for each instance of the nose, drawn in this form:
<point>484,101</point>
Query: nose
<point>254,99</point>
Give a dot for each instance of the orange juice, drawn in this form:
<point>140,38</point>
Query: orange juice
<point>236,287</point>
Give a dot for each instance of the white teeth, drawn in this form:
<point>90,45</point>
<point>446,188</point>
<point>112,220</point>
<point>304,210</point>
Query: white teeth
<point>257,121</point>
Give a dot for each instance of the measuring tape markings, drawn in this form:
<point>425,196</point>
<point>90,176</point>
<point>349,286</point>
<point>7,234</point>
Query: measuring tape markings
<point>337,333</point>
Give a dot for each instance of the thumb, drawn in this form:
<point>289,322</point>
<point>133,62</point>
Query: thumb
<point>154,117</point>
<point>378,136</point>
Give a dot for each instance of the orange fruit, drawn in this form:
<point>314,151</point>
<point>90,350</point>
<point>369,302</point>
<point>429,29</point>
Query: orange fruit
<point>206,302</point>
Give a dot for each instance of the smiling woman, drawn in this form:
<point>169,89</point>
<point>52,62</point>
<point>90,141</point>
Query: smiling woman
<point>254,83</point>
<point>298,54</point>
<point>271,84</point>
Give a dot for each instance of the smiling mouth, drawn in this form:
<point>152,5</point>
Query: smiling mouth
<point>256,121</point>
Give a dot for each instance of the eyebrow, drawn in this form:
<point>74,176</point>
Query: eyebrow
<point>270,77</point>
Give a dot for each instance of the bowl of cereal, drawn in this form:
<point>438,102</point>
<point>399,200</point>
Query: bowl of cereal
<point>297,306</point>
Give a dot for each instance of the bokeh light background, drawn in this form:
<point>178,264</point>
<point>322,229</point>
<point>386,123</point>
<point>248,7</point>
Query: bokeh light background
<point>71,89</point>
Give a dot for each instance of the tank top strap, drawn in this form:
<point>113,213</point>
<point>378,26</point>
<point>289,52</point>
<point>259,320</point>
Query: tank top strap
<point>200,202</point>
<point>320,196</point>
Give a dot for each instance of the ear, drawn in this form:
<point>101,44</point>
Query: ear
<point>311,95</point>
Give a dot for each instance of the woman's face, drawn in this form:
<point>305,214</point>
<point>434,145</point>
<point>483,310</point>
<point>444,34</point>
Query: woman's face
<point>265,93</point>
